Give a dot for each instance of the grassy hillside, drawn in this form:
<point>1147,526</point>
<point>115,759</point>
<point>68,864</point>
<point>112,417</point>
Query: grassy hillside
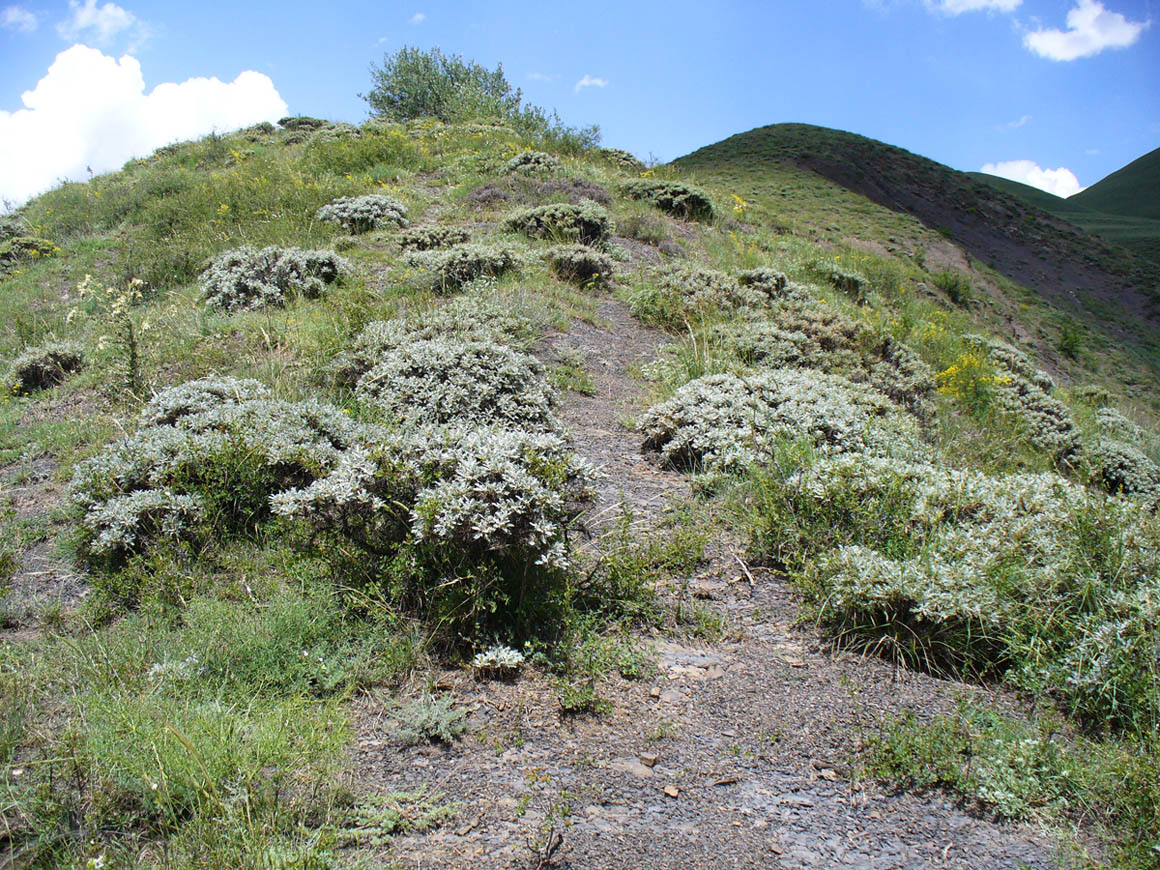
<point>1128,192</point>
<point>1140,235</point>
<point>299,461</point>
<point>1108,286</point>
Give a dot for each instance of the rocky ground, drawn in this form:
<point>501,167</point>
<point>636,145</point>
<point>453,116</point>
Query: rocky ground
<point>732,753</point>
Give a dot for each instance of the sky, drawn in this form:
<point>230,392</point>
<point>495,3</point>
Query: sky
<point>1054,94</point>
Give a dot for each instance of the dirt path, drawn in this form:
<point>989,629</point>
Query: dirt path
<point>731,755</point>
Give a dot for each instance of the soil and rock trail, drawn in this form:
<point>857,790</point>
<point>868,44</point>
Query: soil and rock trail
<point>731,754</point>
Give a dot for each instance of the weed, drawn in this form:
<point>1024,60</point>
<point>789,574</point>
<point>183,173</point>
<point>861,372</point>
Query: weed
<point>430,719</point>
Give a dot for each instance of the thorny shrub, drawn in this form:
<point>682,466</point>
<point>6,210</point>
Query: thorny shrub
<point>467,318</point>
<point>819,336</point>
<point>579,264</point>
<point>43,366</point>
<point>586,223</point>
<point>250,279</point>
<point>208,452</point>
<point>428,236</point>
<point>360,214</point>
<point>532,163</point>
<point>442,380</point>
<point>463,524</point>
<point>673,197</point>
<point>727,422</point>
<point>453,267</point>
<point>1028,576</point>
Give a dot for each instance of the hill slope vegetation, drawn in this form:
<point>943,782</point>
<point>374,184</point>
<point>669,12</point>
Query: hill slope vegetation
<point>428,492</point>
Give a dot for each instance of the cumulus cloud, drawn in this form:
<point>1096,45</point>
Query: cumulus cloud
<point>91,111</point>
<point>591,82</point>
<point>958,7</point>
<point>1061,181</point>
<point>18,18</point>
<point>98,24</point>
<point>418,18</point>
<point>1091,28</point>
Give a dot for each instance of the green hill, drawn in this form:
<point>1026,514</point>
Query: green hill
<point>831,180</point>
<point>1133,191</point>
<point>1137,233</point>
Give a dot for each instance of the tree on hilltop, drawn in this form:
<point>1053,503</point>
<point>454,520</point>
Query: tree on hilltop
<point>414,83</point>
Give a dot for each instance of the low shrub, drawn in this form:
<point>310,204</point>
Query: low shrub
<point>587,223</point>
<point>622,159</point>
<point>360,214</point>
<point>682,291</point>
<point>673,197</point>
<point>532,163</point>
<point>726,422</point>
<point>464,526</point>
<point>248,279</point>
<point>955,284</point>
<point>466,318</point>
<point>430,236</point>
<point>17,250</point>
<point>443,380</point>
<point>1123,469</point>
<point>1028,577</point>
<point>580,264</point>
<point>207,455</point>
<point>846,280</point>
<point>43,366</point>
<point>817,336</point>
<point>453,267</point>
<point>302,122</point>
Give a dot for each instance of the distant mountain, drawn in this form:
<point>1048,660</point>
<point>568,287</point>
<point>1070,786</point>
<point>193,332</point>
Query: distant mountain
<point>1032,238</point>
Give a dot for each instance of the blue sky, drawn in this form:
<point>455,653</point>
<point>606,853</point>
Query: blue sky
<point>1071,85</point>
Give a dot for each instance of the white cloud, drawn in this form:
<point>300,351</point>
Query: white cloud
<point>18,18</point>
<point>1020,123</point>
<point>541,77</point>
<point>91,110</point>
<point>99,24</point>
<point>958,7</point>
<point>591,82</point>
<point>1061,181</point>
<point>418,18</point>
<point>1091,152</point>
<point>1090,29</point>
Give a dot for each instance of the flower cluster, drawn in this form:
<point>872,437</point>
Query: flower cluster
<point>247,279</point>
<point>360,214</point>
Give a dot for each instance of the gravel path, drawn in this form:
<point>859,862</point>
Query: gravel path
<point>731,755</point>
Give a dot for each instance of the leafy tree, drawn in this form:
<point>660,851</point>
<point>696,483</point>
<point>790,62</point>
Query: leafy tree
<point>413,83</point>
